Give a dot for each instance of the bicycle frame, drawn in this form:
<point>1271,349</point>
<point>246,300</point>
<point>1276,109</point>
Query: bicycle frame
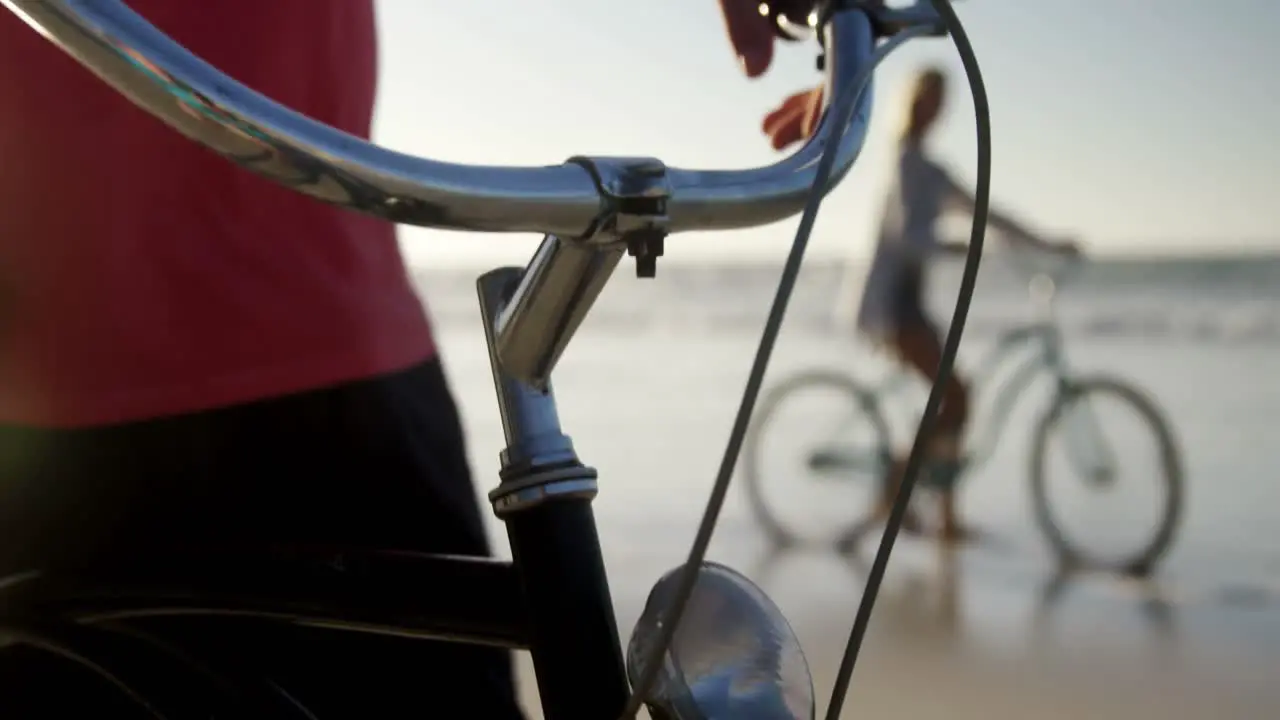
<point>1047,357</point>
<point>553,599</point>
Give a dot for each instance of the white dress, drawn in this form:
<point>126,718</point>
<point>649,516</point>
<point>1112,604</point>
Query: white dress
<point>918,196</point>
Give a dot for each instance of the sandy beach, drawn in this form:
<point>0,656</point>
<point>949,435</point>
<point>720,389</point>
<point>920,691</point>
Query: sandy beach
<point>989,630</point>
<point>954,638</point>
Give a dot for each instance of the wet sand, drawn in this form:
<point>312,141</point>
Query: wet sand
<point>954,637</point>
<point>988,633</point>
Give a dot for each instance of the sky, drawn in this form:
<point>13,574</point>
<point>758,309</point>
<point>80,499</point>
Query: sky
<point>1135,126</point>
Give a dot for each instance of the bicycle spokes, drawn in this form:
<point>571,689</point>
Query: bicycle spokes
<point>1087,447</point>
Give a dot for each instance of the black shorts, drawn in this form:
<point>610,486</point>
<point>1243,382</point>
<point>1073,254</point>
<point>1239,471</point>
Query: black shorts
<point>379,463</point>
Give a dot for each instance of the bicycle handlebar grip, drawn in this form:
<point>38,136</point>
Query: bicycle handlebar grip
<point>205,105</point>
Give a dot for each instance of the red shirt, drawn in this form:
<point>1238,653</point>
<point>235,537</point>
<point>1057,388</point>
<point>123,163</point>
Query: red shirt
<point>142,275</point>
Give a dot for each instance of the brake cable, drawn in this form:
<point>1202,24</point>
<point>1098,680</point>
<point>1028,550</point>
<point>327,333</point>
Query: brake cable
<point>840,116</point>
<point>946,364</point>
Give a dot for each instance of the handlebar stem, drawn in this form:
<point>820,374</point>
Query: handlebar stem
<point>643,201</point>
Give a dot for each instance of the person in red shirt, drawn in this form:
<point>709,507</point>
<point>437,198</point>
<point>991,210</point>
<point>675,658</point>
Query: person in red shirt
<point>192,356</point>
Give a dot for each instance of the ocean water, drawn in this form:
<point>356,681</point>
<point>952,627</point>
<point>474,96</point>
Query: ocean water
<point>648,392</point>
<point>1228,300</point>
<point>655,375</point>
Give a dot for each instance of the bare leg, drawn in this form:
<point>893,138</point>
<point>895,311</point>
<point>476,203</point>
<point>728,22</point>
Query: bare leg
<point>889,486</point>
<point>920,347</point>
<point>892,485</point>
<point>952,529</point>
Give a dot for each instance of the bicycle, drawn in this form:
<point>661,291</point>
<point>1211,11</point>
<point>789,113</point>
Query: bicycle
<point>1022,355</point>
<point>553,598</point>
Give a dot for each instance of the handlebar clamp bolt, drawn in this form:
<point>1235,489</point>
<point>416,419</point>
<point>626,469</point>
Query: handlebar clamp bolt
<point>646,247</point>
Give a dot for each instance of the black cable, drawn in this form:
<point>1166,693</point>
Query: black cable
<point>840,115</point>
<point>982,199</point>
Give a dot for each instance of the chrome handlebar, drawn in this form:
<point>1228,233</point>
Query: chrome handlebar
<point>574,200</point>
<point>592,210</point>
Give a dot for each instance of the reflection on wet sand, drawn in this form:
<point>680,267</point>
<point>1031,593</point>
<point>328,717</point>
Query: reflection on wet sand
<point>949,635</point>
<point>928,604</point>
<point>966,634</point>
<point>1152,611</point>
<point>990,631</point>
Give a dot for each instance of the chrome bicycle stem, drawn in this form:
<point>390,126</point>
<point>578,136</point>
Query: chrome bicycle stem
<point>544,499</point>
<point>565,276</point>
<point>648,201</point>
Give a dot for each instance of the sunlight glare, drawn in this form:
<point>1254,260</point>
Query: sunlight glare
<point>24,17</point>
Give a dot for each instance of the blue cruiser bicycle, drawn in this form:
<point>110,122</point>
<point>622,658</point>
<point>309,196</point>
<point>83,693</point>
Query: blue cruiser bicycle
<point>1076,460</point>
<point>736,657</point>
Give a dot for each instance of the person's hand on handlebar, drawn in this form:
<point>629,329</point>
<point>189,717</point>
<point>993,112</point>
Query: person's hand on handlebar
<point>1064,246</point>
<point>750,34</point>
<point>753,39</point>
<point>795,119</point>
<point>1067,247</point>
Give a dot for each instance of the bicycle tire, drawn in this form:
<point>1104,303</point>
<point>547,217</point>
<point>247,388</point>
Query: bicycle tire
<point>1144,561</point>
<point>866,404</point>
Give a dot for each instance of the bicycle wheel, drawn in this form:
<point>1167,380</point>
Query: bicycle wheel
<point>840,451</point>
<point>1094,453</point>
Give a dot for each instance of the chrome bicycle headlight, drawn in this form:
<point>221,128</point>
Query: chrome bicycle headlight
<point>734,656</point>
